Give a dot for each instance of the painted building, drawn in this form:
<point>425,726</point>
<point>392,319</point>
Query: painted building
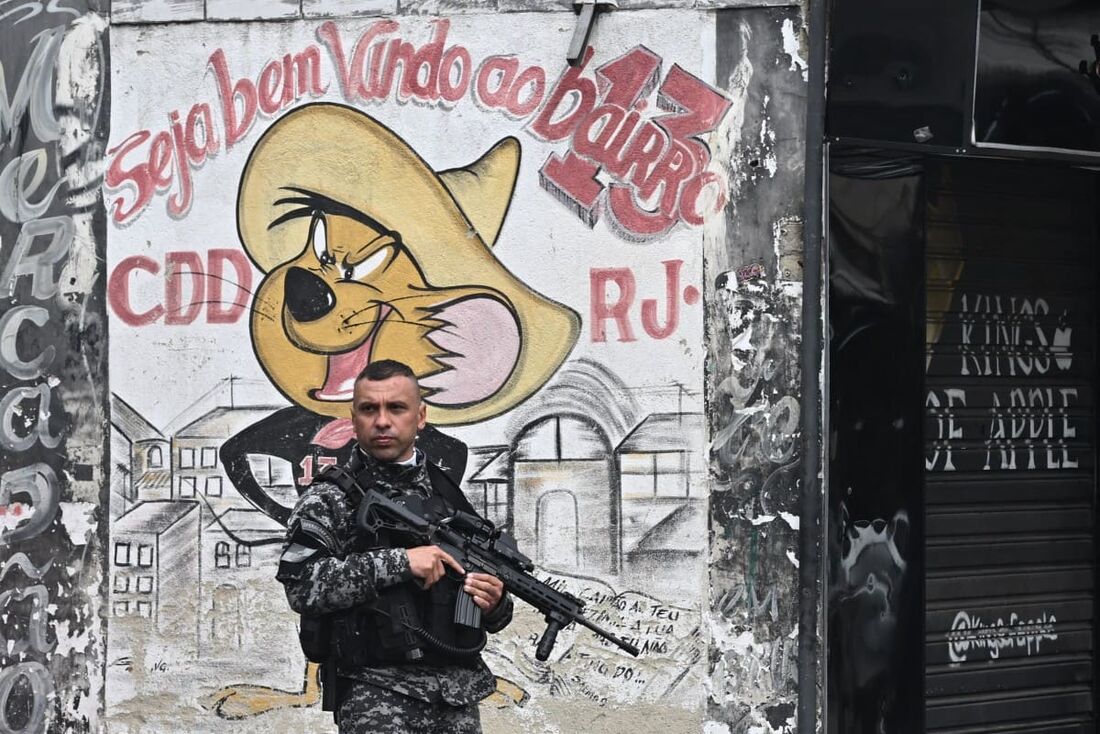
<point>235,591</point>
<point>486,485</point>
<point>663,489</point>
<point>142,469</point>
<point>198,472</point>
<point>792,384</point>
<point>155,562</point>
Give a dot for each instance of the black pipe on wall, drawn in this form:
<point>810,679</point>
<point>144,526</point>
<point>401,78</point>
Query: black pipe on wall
<point>810,521</point>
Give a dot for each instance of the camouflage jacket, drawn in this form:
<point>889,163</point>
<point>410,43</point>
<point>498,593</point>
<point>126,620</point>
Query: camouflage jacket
<point>321,576</point>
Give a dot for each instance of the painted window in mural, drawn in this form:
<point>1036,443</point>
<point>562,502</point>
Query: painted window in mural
<point>221,554</point>
<point>122,554</point>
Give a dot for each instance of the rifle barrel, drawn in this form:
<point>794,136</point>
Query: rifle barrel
<point>632,649</point>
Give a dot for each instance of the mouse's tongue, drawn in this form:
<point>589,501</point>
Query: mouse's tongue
<point>344,367</point>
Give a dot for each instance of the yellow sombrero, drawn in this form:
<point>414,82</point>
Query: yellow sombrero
<point>448,220</point>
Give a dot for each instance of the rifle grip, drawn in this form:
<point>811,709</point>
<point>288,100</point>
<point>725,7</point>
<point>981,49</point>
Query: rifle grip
<point>466,612</point>
<point>549,637</point>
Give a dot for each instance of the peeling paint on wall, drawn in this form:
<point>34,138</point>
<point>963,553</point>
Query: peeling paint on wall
<point>53,116</point>
<point>753,397</point>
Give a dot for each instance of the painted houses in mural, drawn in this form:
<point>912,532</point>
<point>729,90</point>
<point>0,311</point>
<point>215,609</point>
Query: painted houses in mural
<point>235,589</point>
<point>155,567</point>
<point>198,473</point>
<point>141,460</point>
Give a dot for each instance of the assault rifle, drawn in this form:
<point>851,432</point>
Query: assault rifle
<point>478,546</point>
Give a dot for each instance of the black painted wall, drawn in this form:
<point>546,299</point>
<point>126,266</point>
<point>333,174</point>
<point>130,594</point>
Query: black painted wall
<point>53,370</point>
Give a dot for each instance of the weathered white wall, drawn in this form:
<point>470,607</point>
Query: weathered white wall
<point>604,273</point>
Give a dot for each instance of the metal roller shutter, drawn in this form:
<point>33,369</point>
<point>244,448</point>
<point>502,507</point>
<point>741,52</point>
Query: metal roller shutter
<point>1009,438</point>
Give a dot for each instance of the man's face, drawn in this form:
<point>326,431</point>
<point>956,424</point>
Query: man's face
<point>386,415</point>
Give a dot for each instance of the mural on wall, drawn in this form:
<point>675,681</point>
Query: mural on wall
<point>382,190</point>
<point>53,117</point>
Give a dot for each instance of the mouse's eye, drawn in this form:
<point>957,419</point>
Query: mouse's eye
<point>318,237</point>
<point>361,270</point>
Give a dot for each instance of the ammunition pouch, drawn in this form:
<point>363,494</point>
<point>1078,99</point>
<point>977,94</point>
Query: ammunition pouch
<point>315,636</point>
<point>406,625</point>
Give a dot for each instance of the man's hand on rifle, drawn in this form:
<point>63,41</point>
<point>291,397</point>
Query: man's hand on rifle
<point>485,589</point>
<point>427,563</point>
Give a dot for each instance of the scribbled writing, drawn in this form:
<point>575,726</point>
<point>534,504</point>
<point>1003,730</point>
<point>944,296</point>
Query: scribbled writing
<point>668,637</point>
<point>968,633</point>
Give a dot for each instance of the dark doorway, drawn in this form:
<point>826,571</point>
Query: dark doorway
<point>962,441</point>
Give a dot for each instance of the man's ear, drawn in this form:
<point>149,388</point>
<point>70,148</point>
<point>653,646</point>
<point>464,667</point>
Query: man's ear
<point>422,418</point>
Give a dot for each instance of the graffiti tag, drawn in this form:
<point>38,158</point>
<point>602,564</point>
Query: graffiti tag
<point>970,633</point>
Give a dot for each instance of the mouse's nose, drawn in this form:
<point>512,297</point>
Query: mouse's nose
<point>308,298</point>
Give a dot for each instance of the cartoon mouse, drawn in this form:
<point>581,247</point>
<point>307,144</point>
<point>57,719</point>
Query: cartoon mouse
<point>369,253</point>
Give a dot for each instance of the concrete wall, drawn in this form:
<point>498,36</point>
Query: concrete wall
<point>754,268</point>
<point>594,268</point>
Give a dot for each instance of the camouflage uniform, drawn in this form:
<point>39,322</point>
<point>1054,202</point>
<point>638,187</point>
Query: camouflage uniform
<point>320,577</point>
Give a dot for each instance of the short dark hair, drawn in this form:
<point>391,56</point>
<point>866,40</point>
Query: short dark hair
<point>384,369</point>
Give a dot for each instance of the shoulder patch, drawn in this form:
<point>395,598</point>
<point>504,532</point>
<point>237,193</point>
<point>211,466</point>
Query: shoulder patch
<point>298,553</point>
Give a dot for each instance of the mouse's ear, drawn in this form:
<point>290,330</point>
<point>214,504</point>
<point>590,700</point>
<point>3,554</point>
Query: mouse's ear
<point>481,343</point>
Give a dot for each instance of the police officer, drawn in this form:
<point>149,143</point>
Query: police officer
<point>328,568</point>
